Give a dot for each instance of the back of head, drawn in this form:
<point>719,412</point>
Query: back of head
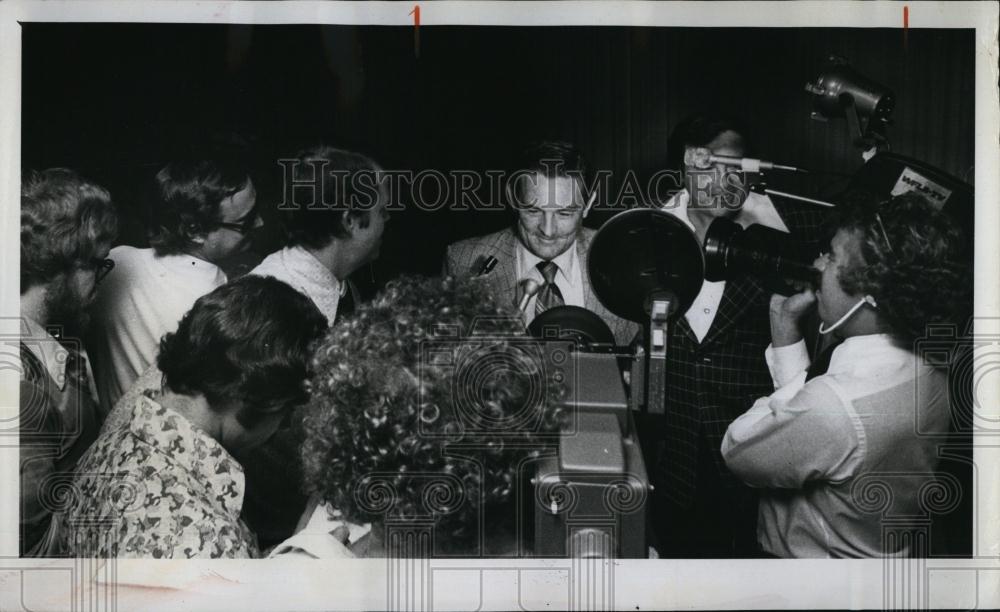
<point>248,341</point>
<point>425,405</point>
<point>65,221</point>
<point>321,187</point>
<point>190,195</point>
<point>913,262</point>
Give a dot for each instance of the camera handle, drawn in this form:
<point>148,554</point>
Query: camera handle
<point>763,189</point>
<point>656,378</point>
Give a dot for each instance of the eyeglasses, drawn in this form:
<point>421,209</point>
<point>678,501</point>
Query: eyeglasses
<point>245,226</point>
<point>102,267</point>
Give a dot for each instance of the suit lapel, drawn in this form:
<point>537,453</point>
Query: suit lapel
<point>736,299</point>
<point>503,278</point>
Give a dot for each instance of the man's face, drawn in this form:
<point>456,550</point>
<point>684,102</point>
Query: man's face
<point>369,239</point>
<point>715,188</point>
<point>832,301</point>
<point>550,212</point>
<point>70,295</point>
<point>239,209</point>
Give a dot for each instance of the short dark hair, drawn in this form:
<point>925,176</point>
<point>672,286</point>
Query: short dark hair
<point>247,340</point>
<point>700,129</point>
<point>913,263</point>
<point>554,158</point>
<point>190,195</point>
<point>384,402</point>
<point>64,219</point>
<point>334,173</point>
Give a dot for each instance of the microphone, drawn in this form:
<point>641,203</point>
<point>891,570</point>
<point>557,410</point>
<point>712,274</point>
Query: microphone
<point>487,266</point>
<point>531,287</point>
<point>749,164</point>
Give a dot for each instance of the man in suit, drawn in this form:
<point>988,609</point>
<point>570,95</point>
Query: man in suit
<point>716,367</point>
<point>548,244</point>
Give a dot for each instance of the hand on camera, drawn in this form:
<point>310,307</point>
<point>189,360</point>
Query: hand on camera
<point>785,315</point>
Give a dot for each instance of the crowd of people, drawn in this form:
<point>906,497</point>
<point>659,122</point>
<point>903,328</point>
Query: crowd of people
<point>168,411</point>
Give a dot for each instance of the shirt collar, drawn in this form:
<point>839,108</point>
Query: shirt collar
<point>304,264</point>
<point>203,457</point>
<point>863,355</point>
<point>756,210</point>
<point>567,261</point>
<point>43,345</point>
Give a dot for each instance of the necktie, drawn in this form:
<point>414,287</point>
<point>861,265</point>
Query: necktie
<point>549,295</point>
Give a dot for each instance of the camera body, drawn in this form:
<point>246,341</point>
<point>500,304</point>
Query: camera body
<point>590,499</point>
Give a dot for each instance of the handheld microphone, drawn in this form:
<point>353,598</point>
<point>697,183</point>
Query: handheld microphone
<point>531,287</point>
<point>749,164</point>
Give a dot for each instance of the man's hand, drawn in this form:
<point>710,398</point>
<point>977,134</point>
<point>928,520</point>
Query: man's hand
<point>785,315</point>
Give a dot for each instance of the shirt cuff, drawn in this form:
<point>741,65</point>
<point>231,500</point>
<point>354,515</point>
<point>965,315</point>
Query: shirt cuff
<point>786,363</point>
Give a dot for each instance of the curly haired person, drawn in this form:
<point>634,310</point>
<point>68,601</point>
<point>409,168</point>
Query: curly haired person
<point>67,227</point>
<point>873,420</point>
<point>426,410</point>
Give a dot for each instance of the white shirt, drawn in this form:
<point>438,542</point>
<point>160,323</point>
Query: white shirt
<point>315,540</point>
<point>757,210</point>
<point>143,298</point>
<point>298,268</point>
<point>569,278</point>
<point>874,419</point>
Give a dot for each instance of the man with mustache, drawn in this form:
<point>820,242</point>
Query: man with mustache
<point>67,227</point>
<point>548,244</point>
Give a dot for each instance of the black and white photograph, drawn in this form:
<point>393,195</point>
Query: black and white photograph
<point>460,305</point>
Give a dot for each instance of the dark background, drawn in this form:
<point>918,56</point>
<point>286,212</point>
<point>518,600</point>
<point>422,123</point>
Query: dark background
<point>117,101</point>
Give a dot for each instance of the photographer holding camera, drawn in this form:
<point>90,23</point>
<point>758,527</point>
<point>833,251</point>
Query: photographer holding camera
<point>829,431</point>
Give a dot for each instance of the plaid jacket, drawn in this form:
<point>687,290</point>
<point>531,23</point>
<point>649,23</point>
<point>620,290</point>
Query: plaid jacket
<point>711,383</point>
<point>464,257</point>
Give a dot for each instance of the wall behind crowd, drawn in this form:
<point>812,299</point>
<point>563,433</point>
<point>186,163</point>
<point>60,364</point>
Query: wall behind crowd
<point>117,101</point>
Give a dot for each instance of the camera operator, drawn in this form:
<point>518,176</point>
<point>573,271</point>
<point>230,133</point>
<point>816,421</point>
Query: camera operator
<point>894,268</point>
<point>409,426</point>
<point>715,358</point>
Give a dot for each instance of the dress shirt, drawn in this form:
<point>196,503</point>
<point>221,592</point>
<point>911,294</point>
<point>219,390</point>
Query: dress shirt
<point>58,422</point>
<point>569,278</point>
<point>757,209</point>
<point>143,298</point>
<point>155,486</point>
<point>814,445</point>
<point>298,268</point>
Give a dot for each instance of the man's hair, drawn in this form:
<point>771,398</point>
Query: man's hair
<point>247,341</point>
<point>391,396</point>
<point>190,195</point>
<point>697,131</point>
<point>554,158</point>
<point>64,220</point>
<point>915,270</point>
<point>313,221</point>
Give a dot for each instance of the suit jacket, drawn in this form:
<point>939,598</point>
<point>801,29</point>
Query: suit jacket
<point>711,383</point>
<point>464,258</point>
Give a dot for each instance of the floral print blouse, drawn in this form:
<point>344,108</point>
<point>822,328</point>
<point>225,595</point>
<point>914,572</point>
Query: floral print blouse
<point>154,486</point>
